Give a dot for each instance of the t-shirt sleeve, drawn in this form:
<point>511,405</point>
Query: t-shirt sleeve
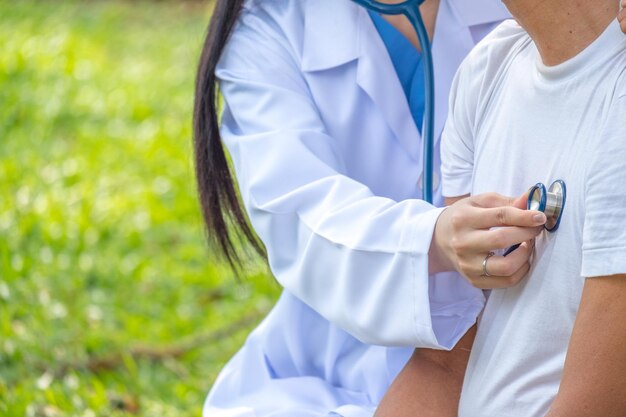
<point>457,144</point>
<point>604,233</point>
<point>468,98</point>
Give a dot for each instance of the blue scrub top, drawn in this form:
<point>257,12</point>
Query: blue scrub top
<point>408,64</point>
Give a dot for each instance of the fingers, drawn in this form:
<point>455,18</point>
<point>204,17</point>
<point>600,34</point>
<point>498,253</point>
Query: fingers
<point>481,241</point>
<point>497,265</point>
<point>508,266</point>
<point>491,200</point>
<point>622,17</point>
<point>503,272</point>
<point>503,216</point>
<point>504,238</point>
<point>502,282</point>
<point>469,229</point>
<point>522,201</point>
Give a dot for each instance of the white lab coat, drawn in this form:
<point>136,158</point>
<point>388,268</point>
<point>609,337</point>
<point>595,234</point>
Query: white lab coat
<point>328,160</point>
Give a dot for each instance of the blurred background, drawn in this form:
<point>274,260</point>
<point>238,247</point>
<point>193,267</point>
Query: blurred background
<point>110,302</point>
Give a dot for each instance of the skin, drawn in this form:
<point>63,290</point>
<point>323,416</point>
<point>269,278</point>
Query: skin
<point>428,9</point>
<point>465,222</point>
<point>562,30</point>
<point>464,235</point>
<point>439,376</point>
<point>593,382</point>
<point>462,238</point>
<point>430,383</point>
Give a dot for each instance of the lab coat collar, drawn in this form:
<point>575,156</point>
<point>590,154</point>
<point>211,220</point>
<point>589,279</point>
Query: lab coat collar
<point>330,31</point>
<point>337,32</point>
<point>332,28</point>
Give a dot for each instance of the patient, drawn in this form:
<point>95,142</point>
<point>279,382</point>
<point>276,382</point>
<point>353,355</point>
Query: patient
<point>537,101</point>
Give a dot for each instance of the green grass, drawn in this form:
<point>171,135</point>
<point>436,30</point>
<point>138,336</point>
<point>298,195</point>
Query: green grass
<point>101,242</point>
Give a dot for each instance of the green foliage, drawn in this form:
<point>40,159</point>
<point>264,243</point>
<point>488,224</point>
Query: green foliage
<point>101,241</point>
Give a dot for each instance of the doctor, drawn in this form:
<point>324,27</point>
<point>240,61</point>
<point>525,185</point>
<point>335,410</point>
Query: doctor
<point>323,127</point>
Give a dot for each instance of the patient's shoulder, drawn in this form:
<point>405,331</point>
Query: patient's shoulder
<point>482,69</point>
<point>505,34</point>
<point>492,53</point>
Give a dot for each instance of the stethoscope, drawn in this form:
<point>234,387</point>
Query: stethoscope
<point>550,201</point>
<point>410,8</point>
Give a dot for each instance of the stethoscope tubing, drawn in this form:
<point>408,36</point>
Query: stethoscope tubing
<point>410,8</point>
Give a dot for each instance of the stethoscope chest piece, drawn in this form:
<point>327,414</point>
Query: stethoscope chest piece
<point>550,201</point>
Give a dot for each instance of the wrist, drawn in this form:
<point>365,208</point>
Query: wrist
<point>438,259</point>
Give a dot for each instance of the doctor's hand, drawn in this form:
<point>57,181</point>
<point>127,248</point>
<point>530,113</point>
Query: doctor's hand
<point>471,228</point>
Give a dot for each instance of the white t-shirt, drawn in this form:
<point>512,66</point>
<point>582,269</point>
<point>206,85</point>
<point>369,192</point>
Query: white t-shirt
<point>515,122</point>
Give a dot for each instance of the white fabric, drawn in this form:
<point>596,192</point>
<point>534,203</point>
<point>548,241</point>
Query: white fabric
<point>515,122</point>
<point>328,161</point>
<point>295,365</point>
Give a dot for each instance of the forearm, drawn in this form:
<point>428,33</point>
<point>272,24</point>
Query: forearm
<point>430,383</point>
<point>594,377</point>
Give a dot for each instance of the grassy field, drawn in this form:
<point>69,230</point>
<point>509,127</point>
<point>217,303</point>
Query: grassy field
<point>110,302</point>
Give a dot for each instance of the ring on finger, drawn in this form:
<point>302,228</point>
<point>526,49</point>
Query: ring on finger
<point>485,273</point>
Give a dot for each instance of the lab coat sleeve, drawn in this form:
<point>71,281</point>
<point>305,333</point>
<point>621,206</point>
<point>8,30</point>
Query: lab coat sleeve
<point>358,259</point>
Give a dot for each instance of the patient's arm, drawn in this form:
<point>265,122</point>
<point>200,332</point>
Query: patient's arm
<point>430,383</point>
<point>594,379</point>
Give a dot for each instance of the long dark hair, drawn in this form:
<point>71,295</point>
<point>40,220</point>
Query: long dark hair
<point>226,222</point>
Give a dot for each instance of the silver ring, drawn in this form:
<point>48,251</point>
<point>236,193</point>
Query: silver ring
<point>485,273</point>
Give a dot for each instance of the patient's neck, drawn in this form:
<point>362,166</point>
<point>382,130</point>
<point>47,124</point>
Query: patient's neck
<point>560,28</point>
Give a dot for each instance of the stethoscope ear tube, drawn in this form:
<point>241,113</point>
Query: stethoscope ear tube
<point>410,8</point>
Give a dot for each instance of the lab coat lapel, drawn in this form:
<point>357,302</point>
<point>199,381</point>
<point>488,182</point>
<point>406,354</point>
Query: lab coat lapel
<point>377,76</point>
<point>330,33</point>
<point>337,32</point>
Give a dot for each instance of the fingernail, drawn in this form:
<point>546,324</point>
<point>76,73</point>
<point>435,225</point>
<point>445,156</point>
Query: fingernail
<point>540,218</point>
